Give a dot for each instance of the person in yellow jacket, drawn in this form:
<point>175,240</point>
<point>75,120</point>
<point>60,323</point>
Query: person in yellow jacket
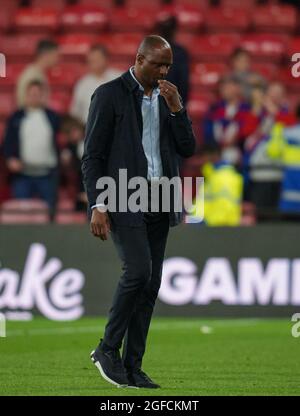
<point>284,146</point>
<point>223,190</point>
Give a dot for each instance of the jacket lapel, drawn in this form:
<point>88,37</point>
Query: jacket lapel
<point>138,98</point>
<point>163,116</point>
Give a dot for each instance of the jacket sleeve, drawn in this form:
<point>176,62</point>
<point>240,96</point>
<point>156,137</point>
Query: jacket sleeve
<point>182,132</point>
<point>11,139</point>
<point>98,137</point>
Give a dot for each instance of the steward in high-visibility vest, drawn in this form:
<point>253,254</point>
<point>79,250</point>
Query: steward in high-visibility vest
<point>223,191</point>
<point>284,146</point>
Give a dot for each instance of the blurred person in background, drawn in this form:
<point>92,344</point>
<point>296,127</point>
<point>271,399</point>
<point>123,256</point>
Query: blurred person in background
<point>257,112</point>
<point>276,104</point>
<point>252,130</point>
<point>47,56</point>
<point>71,156</point>
<point>223,189</point>
<point>30,148</point>
<point>224,121</point>
<point>265,173</point>
<point>284,147</point>
<point>179,71</point>
<point>267,106</point>
<point>241,69</point>
<point>98,73</point>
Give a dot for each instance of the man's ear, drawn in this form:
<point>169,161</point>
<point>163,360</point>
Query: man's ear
<point>139,59</point>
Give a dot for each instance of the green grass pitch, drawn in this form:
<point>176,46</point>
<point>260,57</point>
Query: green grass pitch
<point>187,356</point>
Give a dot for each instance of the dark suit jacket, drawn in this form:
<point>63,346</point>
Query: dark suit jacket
<point>113,141</point>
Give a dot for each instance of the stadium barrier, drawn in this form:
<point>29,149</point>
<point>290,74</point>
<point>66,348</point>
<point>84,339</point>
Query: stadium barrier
<point>62,272</point>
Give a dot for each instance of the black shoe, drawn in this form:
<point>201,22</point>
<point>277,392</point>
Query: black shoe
<point>110,365</point>
<point>138,378</point>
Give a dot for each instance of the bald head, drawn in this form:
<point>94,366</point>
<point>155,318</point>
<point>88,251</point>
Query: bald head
<point>151,42</point>
<point>153,60</point>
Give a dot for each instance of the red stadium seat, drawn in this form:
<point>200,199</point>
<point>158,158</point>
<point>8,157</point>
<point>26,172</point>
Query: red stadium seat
<point>227,19</point>
<point>7,104</point>
<point>65,204</point>
<point>190,17</point>
<point>210,47</point>
<point>9,4</point>
<point>123,64</point>
<point>76,45</point>
<point>185,39</point>
<point>84,18</point>
<point>24,205</point>
<point>267,70</point>
<point>36,19</point>
<point>122,46</point>
<point>5,20</point>
<point>129,19</point>
<point>155,4</point>
<point>275,18</point>
<point>66,74</point>
<point>20,47</point>
<point>107,4</point>
<point>201,3</point>
<point>293,99</point>
<point>293,46</point>
<point>12,74</point>
<point>198,104</point>
<point>247,4</point>
<point>24,211</point>
<point>55,4</point>
<point>265,46</point>
<point>21,218</point>
<point>207,75</point>
<point>71,218</point>
<point>60,101</point>
<point>286,77</point>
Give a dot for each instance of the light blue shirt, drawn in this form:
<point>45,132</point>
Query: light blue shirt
<point>150,139</point>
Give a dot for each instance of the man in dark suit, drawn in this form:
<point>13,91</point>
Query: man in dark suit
<point>136,122</point>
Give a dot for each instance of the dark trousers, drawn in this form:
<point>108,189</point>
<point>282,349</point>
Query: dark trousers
<point>44,187</point>
<point>141,250</point>
<point>265,194</point>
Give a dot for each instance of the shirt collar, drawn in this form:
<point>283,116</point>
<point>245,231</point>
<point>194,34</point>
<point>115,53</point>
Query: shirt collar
<point>132,74</point>
<point>156,90</point>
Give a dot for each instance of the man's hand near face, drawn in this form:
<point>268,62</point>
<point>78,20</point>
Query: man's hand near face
<point>100,224</point>
<point>170,93</point>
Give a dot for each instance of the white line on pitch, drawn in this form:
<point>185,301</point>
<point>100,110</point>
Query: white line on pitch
<point>154,326</point>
